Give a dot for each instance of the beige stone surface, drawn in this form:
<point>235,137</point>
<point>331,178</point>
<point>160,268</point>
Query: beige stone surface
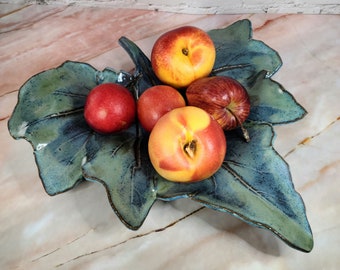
<point>79,230</point>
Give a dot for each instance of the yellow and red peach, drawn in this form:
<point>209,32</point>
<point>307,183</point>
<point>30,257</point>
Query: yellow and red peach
<point>187,145</point>
<point>183,55</point>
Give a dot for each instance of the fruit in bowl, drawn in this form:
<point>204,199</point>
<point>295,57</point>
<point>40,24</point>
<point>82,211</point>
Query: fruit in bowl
<point>156,101</point>
<point>109,107</point>
<point>224,98</point>
<point>187,145</point>
<point>183,55</point>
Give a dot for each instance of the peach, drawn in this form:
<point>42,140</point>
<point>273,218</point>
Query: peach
<point>183,55</point>
<point>187,145</point>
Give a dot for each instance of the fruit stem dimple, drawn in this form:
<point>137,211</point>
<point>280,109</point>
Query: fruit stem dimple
<point>190,148</point>
<point>185,51</point>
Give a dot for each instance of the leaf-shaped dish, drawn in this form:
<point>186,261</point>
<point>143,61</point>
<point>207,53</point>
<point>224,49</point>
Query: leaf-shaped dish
<point>254,182</point>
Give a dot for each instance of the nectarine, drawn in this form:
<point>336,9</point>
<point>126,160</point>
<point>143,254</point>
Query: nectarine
<point>154,102</point>
<point>109,107</point>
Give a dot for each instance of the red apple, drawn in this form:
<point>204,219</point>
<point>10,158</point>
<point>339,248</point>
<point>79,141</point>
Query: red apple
<point>109,107</point>
<point>155,102</point>
<point>183,55</point>
<point>187,145</point>
<point>222,97</point>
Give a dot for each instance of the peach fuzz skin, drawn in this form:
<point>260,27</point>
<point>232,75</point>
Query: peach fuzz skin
<point>183,55</point>
<point>169,145</point>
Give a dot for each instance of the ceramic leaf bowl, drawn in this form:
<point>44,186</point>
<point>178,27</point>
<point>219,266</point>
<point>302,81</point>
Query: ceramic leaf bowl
<point>254,183</point>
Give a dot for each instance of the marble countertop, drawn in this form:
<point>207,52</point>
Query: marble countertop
<point>79,230</point>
